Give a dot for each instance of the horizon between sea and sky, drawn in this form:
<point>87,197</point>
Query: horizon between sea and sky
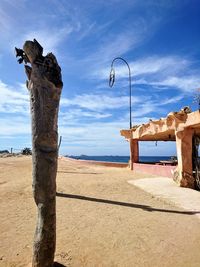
<point>159,39</point>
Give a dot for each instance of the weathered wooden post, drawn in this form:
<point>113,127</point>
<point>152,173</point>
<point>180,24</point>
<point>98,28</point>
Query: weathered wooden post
<point>45,85</point>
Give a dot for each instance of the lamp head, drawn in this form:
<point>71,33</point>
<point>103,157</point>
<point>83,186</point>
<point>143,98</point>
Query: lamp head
<point>112,77</point>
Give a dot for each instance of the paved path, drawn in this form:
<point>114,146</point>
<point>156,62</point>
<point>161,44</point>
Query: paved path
<point>167,190</point>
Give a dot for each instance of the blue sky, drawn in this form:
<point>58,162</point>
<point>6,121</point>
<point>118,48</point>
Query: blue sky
<point>159,39</point>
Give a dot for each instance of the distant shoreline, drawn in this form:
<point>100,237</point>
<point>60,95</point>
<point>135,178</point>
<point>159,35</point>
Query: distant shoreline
<point>119,159</point>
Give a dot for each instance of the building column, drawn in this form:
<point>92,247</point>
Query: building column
<point>184,175</point>
<point>134,152</point>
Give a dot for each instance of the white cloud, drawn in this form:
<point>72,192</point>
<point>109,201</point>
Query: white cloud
<point>93,137</point>
<point>172,100</point>
<point>188,84</point>
<point>14,110</point>
<point>87,108</point>
<point>79,135</point>
<point>102,138</point>
<point>13,100</point>
<point>114,41</point>
<point>99,102</point>
<point>75,115</point>
<point>7,21</point>
<point>21,21</point>
<point>118,45</point>
<point>49,38</point>
<point>14,125</point>
<point>87,31</point>
<point>147,66</point>
<point>163,73</point>
<point>85,119</point>
<point>155,64</point>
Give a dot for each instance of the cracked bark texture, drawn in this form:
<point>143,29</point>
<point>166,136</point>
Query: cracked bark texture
<point>45,85</point>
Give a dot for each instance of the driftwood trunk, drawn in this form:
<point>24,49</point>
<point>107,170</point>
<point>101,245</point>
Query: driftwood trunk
<point>44,112</point>
<point>44,84</point>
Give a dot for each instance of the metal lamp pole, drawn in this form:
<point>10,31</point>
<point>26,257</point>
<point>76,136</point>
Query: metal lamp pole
<point>112,81</point>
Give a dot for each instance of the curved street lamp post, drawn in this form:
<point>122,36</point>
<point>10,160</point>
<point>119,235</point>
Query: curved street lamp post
<point>133,144</point>
<point>112,81</point>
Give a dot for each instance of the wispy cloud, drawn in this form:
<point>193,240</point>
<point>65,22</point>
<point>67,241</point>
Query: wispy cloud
<point>156,64</point>
<point>103,137</point>
<point>187,84</point>
<point>13,126</point>
<point>21,21</point>
<point>161,72</point>
<point>172,100</point>
<point>112,44</point>
<point>13,100</point>
<point>50,38</point>
<point>82,119</point>
<point>7,21</point>
<point>148,66</point>
<point>74,116</point>
<point>84,107</point>
<point>87,31</point>
<point>86,38</point>
<point>100,102</point>
<point>93,136</point>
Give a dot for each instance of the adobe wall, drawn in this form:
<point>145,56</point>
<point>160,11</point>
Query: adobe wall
<point>177,126</point>
<point>159,170</point>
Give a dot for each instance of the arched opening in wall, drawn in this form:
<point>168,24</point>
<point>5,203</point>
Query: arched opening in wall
<point>158,152</point>
<point>196,160</point>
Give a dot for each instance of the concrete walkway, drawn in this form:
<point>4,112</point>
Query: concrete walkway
<point>167,190</point>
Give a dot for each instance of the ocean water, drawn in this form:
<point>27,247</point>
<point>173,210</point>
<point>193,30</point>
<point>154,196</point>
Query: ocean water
<point>123,159</point>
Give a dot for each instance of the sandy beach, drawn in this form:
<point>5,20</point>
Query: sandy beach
<point>102,220</point>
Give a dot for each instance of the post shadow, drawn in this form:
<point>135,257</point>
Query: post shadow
<point>57,264</point>
<point>124,204</point>
<point>79,172</point>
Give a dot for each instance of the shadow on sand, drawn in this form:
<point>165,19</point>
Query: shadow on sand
<point>57,264</point>
<point>79,172</point>
<point>125,204</point>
